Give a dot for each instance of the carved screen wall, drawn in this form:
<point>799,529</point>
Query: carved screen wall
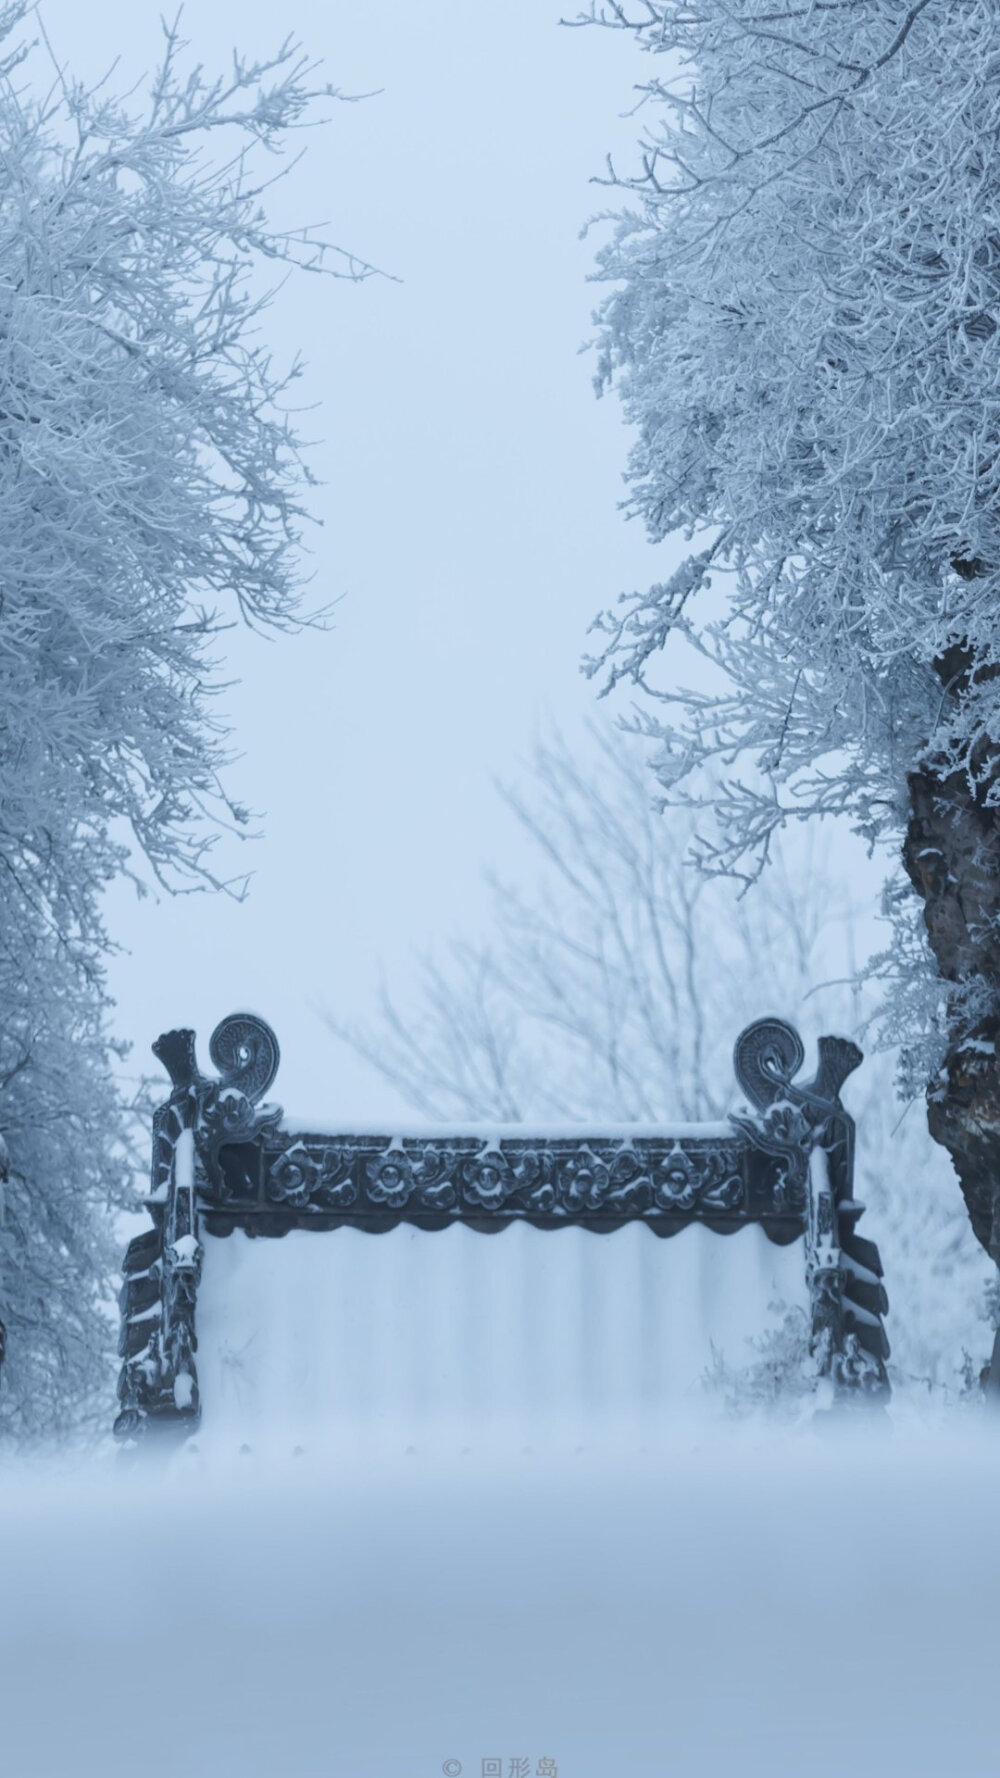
<point>457,1339</point>
<point>370,1285</point>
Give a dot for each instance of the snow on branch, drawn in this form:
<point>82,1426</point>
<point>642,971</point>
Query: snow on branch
<point>152,477</point>
<point>154,491</point>
<point>803,326</point>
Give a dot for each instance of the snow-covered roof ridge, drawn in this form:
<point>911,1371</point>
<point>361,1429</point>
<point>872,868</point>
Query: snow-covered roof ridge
<point>392,1129</point>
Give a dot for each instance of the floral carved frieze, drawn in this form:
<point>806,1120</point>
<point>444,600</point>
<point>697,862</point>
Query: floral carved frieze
<point>515,1176</point>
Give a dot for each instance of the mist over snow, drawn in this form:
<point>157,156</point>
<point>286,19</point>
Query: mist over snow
<point>459,1498</point>
<point>737,1601</point>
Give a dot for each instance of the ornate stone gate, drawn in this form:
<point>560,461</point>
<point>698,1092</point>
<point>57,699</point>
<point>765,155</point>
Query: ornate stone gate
<point>223,1160</point>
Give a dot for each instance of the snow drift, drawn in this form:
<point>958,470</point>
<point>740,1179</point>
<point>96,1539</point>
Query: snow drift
<point>742,1602</point>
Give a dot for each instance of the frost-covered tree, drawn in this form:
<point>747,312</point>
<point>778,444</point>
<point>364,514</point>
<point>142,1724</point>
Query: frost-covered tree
<point>804,330</point>
<point>69,1169</point>
<point>613,988</point>
<point>150,484</point>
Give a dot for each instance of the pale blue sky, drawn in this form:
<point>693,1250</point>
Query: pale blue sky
<point>469,506</point>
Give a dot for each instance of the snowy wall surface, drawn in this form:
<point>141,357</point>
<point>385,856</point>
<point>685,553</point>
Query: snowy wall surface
<point>457,1339</point>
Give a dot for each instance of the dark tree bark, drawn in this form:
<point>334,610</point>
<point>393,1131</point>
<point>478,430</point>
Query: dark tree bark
<point>952,857</point>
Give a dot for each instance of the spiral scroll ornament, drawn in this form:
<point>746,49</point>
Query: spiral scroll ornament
<point>245,1051</point>
<point>766,1058</point>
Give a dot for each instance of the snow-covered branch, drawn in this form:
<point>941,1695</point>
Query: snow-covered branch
<point>153,492</point>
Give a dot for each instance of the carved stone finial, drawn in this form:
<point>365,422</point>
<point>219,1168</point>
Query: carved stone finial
<point>245,1051</point>
<point>838,1057</point>
<point>766,1057</point>
<point>175,1049</point>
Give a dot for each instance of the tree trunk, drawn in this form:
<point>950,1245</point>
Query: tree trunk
<point>952,857</point>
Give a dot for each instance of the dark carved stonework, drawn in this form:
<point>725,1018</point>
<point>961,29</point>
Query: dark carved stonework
<point>415,1179</point>
<point>222,1161</point>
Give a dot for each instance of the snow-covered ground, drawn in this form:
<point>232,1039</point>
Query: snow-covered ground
<point>348,1573</point>
<point>743,1602</point>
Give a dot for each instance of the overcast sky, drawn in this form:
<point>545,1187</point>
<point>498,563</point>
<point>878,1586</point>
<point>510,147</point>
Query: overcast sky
<point>470,501</point>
